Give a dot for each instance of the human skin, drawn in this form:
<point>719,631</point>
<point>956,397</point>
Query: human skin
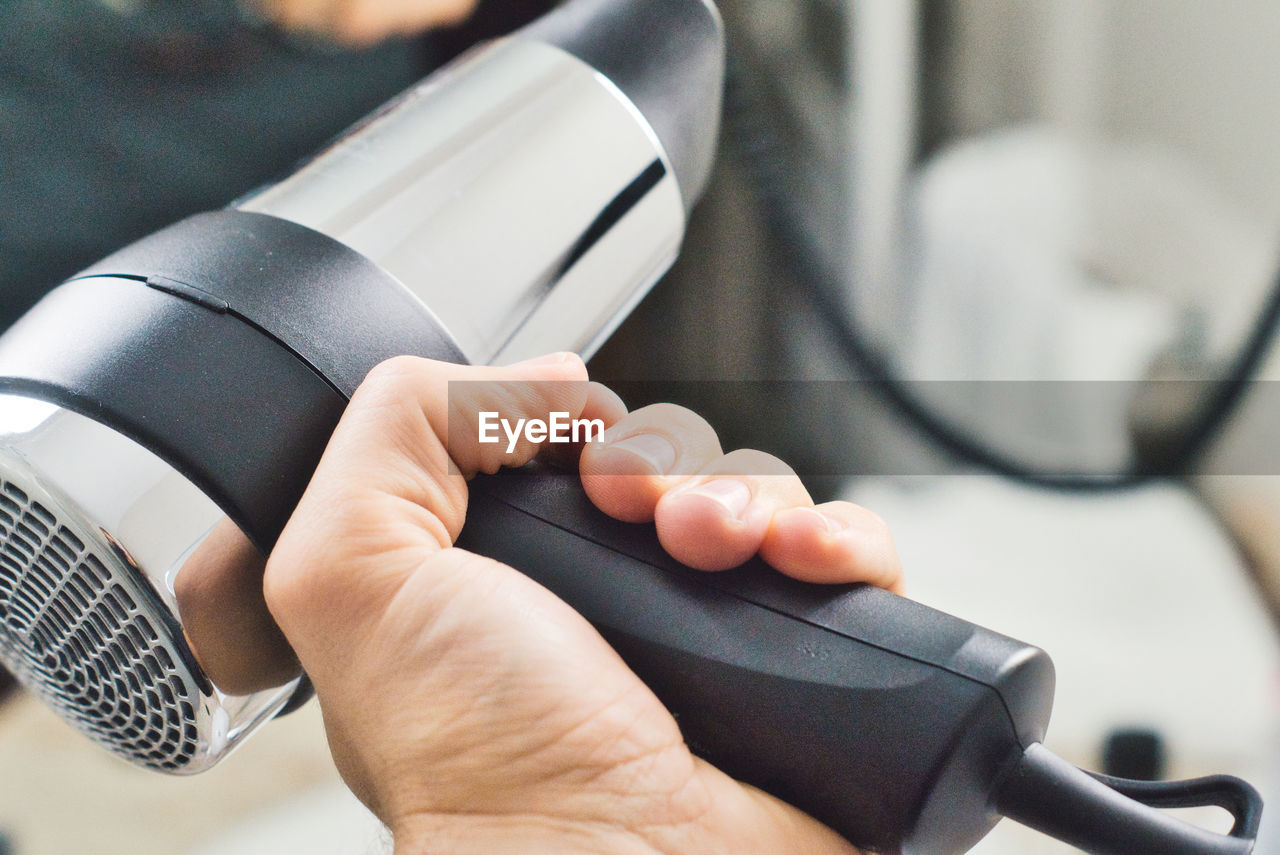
<point>360,23</point>
<point>468,707</point>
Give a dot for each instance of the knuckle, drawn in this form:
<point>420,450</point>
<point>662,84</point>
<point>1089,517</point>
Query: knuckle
<point>397,388</point>
<point>285,588</point>
<point>397,372</point>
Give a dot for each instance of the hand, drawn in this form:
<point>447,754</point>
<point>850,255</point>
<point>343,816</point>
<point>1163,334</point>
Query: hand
<point>471,709</point>
<point>360,23</point>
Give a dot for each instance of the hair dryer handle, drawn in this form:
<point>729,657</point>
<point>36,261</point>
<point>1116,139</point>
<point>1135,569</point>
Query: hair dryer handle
<point>884,719</point>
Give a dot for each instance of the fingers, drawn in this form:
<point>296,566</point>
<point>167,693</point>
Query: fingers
<point>644,455</point>
<point>722,516</point>
<point>412,429</point>
<point>604,405</point>
<point>833,543</point>
<point>504,416</point>
<point>715,511</point>
<point>392,479</point>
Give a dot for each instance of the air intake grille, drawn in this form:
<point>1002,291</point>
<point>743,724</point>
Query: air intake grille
<point>76,628</point>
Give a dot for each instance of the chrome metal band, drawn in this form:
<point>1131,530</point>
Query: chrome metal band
<point>474,188</point>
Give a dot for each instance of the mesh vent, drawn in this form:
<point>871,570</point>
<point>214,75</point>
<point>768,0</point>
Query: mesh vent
<point>76,628</point>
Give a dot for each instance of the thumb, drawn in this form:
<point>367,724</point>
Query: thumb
<point>411,430</point>
<point>391,485</point>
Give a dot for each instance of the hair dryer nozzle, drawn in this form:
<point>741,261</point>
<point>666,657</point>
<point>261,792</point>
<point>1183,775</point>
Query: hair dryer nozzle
<point>674,76</point>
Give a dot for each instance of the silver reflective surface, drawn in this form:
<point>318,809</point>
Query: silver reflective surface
<point>479,190</point>
<point>121,594</point>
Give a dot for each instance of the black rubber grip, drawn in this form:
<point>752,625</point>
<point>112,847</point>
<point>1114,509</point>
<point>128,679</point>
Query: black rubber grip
<point>241,417</point>
<point>330,306</point>
<point>886,720</point>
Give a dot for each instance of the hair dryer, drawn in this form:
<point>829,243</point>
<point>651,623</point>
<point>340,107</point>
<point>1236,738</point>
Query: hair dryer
<point>161,414</point>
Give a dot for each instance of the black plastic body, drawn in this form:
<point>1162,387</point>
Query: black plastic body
<point>887,720</point>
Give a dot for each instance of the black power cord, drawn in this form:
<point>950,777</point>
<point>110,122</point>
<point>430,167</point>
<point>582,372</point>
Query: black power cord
<point>757,144</point>
<point>1112,816</point>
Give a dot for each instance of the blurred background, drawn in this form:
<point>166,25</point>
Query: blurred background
<point>1002,270</point>
<point>1051,227</point>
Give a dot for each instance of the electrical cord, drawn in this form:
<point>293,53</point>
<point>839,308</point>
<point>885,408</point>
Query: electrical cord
<point>757,144</point>
<point>1230,793</point>
<point>1113,816</point>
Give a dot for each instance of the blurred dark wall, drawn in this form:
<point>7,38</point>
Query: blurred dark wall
<point>118,124</point>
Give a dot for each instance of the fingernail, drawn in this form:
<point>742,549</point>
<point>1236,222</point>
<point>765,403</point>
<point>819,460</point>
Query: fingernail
<point>656,451</point>
<point>734,495</point>
<point>549,359</point>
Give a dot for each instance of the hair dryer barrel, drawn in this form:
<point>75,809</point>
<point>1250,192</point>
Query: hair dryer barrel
<point>161,413</point>
<point>532,195</point>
